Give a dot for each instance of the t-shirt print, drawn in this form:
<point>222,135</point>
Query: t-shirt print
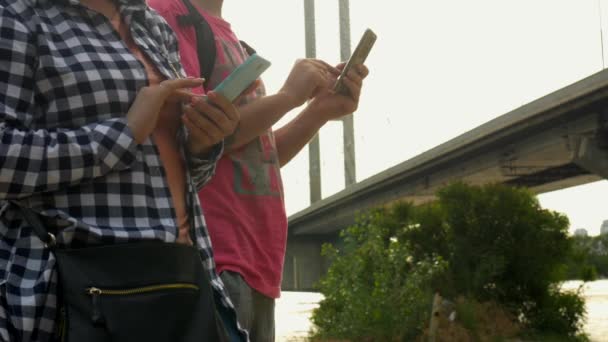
<point>255,165</point>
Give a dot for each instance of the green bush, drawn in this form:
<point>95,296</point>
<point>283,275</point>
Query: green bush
<point>373,290</point>
<point>490,243</point>
<point>500,244</point>
<point>556,312</point>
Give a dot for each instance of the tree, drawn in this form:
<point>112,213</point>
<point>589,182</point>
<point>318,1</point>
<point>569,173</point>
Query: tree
<point>373,290</point>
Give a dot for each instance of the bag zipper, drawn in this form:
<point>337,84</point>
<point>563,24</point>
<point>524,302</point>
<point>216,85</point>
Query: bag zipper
<point>122,292</point>
<point>64,331</point>
<point>96,292</point>
<point>61,327</point>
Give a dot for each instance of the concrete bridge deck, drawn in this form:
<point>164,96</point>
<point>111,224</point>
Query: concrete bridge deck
<point>555,142</point>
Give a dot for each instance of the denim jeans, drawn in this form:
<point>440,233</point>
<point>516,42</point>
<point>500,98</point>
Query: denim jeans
<point>255,311</point>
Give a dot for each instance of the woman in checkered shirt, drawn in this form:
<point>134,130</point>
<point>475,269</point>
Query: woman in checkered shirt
<point>97,139</point>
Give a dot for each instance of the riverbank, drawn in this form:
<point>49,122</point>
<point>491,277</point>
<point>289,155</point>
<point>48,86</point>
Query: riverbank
<point>293,311</point>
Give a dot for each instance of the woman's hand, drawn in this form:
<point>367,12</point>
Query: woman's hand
<point>209,122</point>
<point>143,114</point>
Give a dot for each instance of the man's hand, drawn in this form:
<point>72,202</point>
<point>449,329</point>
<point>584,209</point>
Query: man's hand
<point>307,78</point>
<point>209,122</point>
<point>330,106</point>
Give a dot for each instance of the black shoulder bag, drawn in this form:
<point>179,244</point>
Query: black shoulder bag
<point>141,291</point>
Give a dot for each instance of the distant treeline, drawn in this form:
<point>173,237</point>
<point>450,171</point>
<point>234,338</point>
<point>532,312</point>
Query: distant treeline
<point>589,258</point>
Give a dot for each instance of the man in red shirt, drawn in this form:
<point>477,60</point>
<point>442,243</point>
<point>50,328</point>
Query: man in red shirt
<point>244,203</point>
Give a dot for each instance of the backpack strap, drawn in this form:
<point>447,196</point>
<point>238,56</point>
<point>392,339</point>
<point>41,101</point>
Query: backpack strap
<point>250,51</point>
<point>205,40</point>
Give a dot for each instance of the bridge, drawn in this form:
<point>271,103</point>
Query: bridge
<point>552,143</point>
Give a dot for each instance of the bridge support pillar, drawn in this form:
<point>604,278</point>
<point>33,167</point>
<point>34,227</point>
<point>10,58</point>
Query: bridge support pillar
<point>592,156</point>
<point>304,264</point>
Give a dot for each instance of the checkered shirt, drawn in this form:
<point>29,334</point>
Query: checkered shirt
<point>66,82</point>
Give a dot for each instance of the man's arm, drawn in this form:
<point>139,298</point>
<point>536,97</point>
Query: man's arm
<point>307,78</point>
<point>325,106</point>
<point>257,117</point>
<point>292,137</point>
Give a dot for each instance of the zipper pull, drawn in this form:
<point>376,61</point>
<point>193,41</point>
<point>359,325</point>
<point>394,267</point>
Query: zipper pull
<point>96,316</point>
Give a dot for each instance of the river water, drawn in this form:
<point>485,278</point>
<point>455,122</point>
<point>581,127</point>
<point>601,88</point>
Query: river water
<point>596,302</point>
<point>293,311</point>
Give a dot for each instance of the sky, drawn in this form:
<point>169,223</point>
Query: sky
<point>438,69</point>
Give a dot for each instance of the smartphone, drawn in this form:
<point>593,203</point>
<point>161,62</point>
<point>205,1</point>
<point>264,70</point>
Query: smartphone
<point>242,77</point>
<point>358,57</point>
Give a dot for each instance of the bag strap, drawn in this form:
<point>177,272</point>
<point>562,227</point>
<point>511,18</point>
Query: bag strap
<point>35,221</point>
<point>250,51</point>
<point>205,40</point>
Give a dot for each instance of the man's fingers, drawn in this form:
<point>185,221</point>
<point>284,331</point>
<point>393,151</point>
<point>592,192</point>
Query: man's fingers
<point>354,89</point>
<point>355,77</point>
<point>326,79</point>
<point>362,70</point>
<point>324,65</point>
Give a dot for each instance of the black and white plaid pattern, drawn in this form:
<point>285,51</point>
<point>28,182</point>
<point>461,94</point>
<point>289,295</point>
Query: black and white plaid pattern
<point>66,82</point>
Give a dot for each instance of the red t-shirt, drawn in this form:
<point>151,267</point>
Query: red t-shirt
<point>243,203</point>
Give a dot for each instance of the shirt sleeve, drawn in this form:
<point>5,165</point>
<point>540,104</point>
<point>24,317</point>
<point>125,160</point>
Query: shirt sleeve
<point>202,168</point>
<point>45,160</point>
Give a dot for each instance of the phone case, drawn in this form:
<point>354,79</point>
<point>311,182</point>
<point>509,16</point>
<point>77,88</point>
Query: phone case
<point>358,57</point>
<point>242,77</point>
